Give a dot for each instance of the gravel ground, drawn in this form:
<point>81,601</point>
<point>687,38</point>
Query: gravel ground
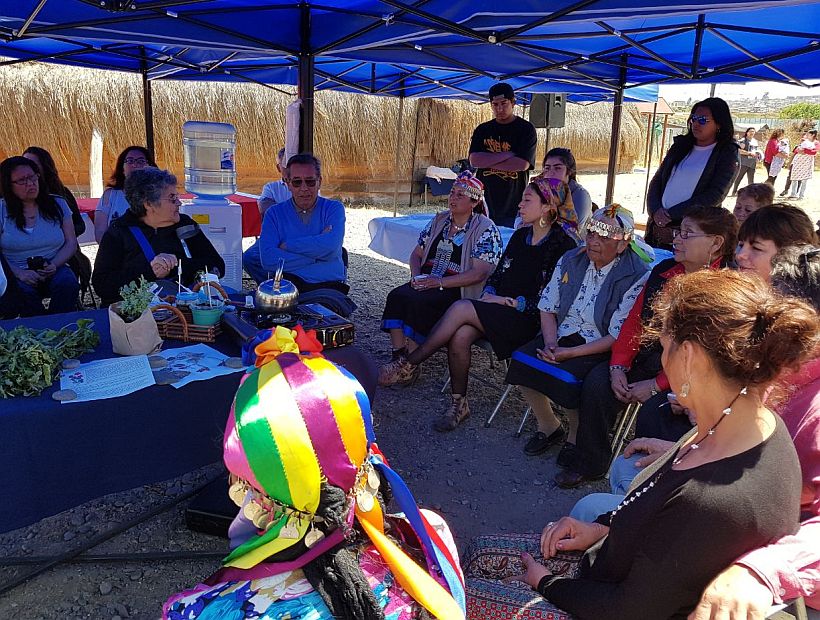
<point>477,477</point>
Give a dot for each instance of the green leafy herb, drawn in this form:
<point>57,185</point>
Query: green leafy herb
<point>30,358</point>
<point>136,297</point>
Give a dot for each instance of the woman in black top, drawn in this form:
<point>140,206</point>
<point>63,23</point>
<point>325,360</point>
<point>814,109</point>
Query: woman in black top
<point>146,240</point>
<point>730,486</point>
<point>507,313</point>
<point>706,152</point>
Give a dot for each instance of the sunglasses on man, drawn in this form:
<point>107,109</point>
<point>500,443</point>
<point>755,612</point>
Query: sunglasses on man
<point>311,182</point>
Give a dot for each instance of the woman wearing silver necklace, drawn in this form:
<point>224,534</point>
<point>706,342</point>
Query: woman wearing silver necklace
<point>729,488</point>
<point>455,254</point>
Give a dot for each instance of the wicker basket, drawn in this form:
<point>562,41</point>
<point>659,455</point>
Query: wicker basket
<point>179,325</point>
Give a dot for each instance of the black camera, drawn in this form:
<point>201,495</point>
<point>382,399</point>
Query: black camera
<point>35,263</point>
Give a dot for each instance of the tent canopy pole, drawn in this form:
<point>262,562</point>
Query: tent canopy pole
<point>398,157</point>
<point>148,105</point>
<point>306,82</point>
<point>615,135</point>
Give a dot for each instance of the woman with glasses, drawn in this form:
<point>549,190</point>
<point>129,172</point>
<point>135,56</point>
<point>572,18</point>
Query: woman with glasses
<point>456,253</point>
<point>582,309</point>
<point>506,314</point>
<point>151,238</point>
<point>37,239</point>
<point>697,170</point>
<point>113,202</point>
<point>51,178</point>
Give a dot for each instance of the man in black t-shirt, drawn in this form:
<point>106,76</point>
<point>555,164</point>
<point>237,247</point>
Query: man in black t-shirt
<point>503,150</point>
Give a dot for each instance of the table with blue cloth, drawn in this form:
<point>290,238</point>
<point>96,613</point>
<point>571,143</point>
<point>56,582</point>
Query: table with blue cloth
<point>56,456</point>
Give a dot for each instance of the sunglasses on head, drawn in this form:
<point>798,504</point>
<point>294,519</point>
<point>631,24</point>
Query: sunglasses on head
<point>298,182</point>
<point>699,119</point>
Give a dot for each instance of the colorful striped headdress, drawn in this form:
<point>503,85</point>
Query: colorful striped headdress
<point>471,185</point>
<point>298,422</point>
<point>557,192</point>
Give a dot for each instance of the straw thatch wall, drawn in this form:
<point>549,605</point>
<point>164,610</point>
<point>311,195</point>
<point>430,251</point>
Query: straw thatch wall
<point>58,107</point>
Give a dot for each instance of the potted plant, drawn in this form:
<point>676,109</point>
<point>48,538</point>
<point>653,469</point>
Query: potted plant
<point>133,328</point>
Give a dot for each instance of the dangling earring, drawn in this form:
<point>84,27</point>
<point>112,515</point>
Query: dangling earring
<point>684,390</point>
<point>542,222</point>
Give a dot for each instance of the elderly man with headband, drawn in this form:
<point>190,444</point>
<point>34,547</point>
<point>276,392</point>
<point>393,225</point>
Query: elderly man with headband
<point>582,309</point>
<point>311,537</point>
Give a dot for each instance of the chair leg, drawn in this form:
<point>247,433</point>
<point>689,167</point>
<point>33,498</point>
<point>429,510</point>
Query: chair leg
<point>625,424</point>
<point>523,420</point>
<point>498,406</point>
<point>446,383</point>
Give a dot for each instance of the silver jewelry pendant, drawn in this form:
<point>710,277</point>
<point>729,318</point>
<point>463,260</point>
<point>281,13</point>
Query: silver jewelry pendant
<point>373,479</point>
<point>290,531</point>
<point>237,492</point>
<point>365,500</point>
<point>313,536</point>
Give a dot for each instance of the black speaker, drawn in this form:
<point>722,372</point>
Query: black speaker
<point>548,110</point>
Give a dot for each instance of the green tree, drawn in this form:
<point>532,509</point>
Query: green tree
<point>804,109</point>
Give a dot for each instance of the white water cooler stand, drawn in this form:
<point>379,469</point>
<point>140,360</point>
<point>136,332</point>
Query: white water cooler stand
<point>221,221</point>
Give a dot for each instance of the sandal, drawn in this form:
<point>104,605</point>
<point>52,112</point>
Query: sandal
<point>458,412</point>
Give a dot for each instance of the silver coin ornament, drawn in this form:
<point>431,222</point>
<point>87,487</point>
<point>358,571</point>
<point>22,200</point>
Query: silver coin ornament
<point>290,531</point>
<point>365,500</point>
<point>313,536</point>
<point>373,479</point>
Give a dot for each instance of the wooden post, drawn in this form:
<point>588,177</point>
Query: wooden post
<point>663,136</point>
<point>651,148</point>
<point>398,157</point>
<point>148,105</point>
<point>646,155</point>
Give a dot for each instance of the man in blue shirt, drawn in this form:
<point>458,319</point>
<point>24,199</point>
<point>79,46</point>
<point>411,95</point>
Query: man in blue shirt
<point>306,231</point>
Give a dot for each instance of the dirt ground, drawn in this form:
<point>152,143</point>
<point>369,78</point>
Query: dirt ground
<point>477,477</point>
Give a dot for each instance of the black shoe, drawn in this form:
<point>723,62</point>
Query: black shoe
<point>567,456</point>
<point>540,443</point>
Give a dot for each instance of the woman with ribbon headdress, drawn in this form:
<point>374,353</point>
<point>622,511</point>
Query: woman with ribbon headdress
<point>582,309</point>
<point>506,314</point>
<point>311,539</point>
<point>456,252</point>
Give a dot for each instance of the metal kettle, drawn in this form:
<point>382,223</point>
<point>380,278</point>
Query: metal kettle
<point>276,295</point>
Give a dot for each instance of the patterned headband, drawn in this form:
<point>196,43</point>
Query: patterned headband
<point>470,184</point>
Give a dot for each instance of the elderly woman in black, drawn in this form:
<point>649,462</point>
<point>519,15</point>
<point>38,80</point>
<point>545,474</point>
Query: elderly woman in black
<point>697,170</point>
<point>456,252</point>
<point>506,314</point>
<point>729,487</point>
<point>151,237</point>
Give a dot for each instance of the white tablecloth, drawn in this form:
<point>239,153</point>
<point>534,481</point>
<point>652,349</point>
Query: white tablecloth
<point>395,237</point>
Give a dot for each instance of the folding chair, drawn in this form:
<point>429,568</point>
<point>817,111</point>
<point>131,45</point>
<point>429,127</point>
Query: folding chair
<point>623,426</point>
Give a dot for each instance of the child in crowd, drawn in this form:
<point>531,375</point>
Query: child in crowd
<point>751,198</point>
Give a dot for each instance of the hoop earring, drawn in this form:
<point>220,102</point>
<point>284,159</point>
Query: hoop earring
<point>542,222</point>
<point>684,390</point>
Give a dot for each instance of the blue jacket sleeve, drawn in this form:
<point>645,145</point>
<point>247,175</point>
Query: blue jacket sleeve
<point>326,244</point>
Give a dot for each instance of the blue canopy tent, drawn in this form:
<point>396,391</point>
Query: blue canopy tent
<point>429,47</point>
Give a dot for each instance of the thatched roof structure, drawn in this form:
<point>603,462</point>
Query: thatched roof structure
<point>58,107</point>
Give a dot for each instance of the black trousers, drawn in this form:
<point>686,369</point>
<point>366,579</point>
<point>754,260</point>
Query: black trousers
<point>596,416</point>
<point>750,175</point>
<point>656,420</point>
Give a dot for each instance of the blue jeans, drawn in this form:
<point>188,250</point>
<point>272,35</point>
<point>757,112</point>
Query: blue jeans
<point>63,289</point>
<point>621,475</point>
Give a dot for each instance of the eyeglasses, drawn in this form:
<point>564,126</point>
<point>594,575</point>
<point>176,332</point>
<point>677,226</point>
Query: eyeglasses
<point>685,234</point>
<point>310,182</point>
<point>138,161</point>
<point>173,198</point>
<point>31,179</point>
<point>700,120</point>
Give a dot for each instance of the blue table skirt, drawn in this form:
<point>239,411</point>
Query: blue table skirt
<point>54,457</point>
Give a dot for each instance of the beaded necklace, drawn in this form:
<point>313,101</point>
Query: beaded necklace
<point>690,448</point>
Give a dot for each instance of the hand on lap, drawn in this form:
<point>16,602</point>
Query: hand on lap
<point>533,572</point>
